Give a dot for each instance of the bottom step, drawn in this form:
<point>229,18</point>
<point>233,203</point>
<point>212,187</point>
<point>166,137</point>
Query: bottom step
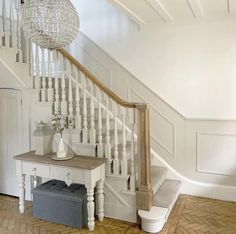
<point>167,195</point>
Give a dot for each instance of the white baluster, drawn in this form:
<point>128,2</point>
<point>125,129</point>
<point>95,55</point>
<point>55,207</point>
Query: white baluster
<point>19,45</point>
<point>100,144</point>
<point>44,85</point>
<point>31,63</point>
<point>85,121</point>
<point>14,36</point>
<point>92,123</point>
<point>108,144</point>
<point>132,172</point>
<point>1,27</point>
<point>57,96</point>
<point>6,25</point>
<point>116,164</point>
<point>70,98</point>
<point>37,83</point>
<point>26,50</point>
<point>12,28</point>
<point>63,87</point>
<point>124,169</point>
<point>77,100</point>
<point>50,90</point>
<point>31,59</point>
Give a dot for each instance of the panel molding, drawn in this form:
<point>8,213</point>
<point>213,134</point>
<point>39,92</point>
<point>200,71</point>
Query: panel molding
<point>206,133</point>
<point>171,151</point>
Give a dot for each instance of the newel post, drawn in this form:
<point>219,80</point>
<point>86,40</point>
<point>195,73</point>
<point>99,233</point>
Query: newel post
<point>144,194</point>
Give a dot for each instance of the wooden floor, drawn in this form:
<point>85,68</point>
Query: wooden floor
<point>190,215</point>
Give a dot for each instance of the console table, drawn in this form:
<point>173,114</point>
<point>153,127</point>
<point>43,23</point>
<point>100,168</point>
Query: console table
<point>81,169</point>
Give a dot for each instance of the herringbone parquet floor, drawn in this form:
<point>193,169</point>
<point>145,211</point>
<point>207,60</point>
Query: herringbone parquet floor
<point>190,215</point>
<point>193,215</point>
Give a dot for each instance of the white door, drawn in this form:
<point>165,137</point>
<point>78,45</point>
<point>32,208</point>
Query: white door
<point>11,139</point>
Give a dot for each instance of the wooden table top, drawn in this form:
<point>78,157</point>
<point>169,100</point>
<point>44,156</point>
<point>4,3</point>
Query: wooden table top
<point>83,162</point>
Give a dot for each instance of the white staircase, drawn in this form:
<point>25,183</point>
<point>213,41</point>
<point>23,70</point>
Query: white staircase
<point>12,56</point>
<point>100,124</point>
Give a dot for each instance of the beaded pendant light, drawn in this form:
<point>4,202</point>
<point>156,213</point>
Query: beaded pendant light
<point>50,24</point>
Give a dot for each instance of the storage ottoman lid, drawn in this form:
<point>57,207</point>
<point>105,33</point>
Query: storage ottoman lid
<point>59,189</point>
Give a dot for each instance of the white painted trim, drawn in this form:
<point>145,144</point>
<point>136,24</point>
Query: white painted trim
<point>161,10</point>
<point>128,12</point>
<point>196,8</point>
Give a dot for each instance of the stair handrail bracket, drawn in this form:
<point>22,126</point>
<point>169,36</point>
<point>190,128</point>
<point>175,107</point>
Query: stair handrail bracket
<point>144,193</point>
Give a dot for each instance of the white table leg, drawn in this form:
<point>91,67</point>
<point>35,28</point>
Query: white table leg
<point>90,207</point>
<point>100,200</point>
<point>22,193</point>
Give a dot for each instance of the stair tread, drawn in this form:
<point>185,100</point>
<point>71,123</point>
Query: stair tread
<point>167,194</point>
<point>158,176</point>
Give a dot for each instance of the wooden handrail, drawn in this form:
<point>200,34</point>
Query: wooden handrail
<point>97,82</point>
<point>144,195</point>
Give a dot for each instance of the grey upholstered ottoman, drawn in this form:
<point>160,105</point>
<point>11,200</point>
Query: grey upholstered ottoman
<point>54,201</point>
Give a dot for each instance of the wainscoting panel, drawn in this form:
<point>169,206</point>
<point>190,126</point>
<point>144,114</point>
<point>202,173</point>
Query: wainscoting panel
<point>162,129</point>
<point>216,153</point>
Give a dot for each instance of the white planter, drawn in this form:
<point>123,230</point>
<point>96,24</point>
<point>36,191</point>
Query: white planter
<point>154,220</point>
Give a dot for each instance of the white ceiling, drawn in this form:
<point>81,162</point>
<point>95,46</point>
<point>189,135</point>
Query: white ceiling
<point>145,12</point>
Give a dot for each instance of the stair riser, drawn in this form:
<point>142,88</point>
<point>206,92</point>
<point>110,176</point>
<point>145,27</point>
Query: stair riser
<point>85,149</point>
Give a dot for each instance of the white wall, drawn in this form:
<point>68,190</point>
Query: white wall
<point>192,67</point>
<point>199,152</point>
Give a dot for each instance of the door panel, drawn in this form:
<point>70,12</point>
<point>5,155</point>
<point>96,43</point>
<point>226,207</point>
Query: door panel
<point>11,139</point>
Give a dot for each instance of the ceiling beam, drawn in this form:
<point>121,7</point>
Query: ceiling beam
<point>128,12</point>
<point>196,8</point>
<point>161,10</point>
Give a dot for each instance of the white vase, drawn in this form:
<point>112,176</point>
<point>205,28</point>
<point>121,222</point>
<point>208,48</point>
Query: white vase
<point>61,153</point>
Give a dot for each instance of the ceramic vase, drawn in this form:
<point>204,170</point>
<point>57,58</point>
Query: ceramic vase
<point>61,153</point>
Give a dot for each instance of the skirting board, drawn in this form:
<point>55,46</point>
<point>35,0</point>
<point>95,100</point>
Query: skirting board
<point>196,188</point>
